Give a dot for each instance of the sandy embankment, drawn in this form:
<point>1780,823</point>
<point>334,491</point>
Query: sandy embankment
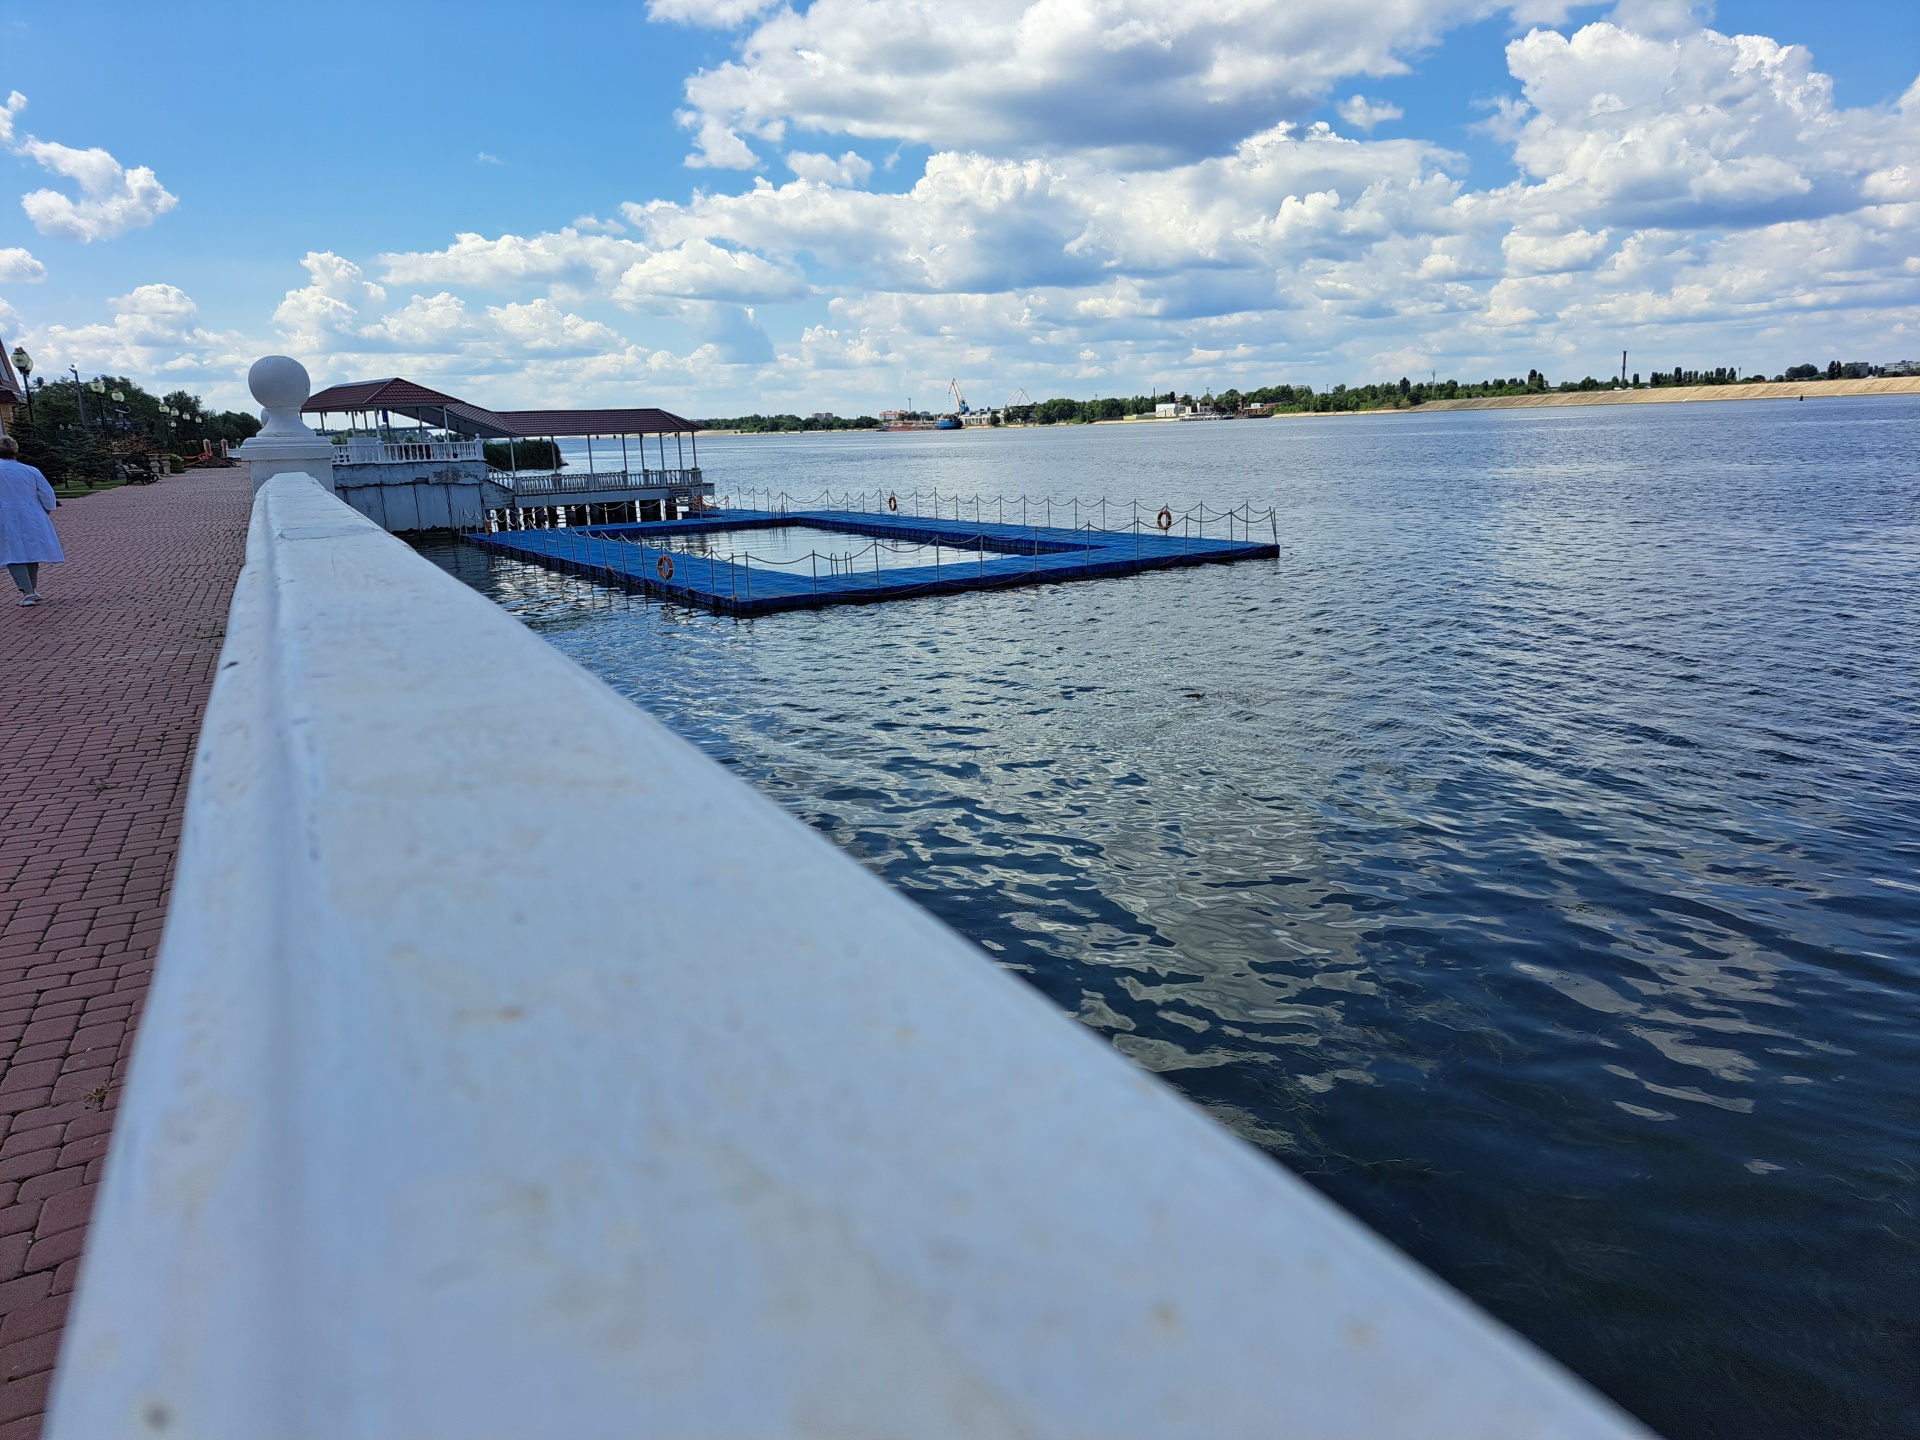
<point>1684,394</point>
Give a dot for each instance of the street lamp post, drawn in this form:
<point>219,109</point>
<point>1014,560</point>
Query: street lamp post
<point>79,394</point>
<point>23,362</point>
<point>122,423</point>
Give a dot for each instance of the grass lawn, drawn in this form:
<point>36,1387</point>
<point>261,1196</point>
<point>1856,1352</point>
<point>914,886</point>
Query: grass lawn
<point>74,492</point>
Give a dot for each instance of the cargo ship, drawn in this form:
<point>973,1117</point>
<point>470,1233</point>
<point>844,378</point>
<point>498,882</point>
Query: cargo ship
<point>908,420</point>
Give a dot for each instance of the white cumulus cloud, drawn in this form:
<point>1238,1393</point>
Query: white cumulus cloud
<point>330,305</point>
<point>542,327</point>
<point>155,331</point>
<point>716,14</point>
<point>112,200</point>
<point>850,169</point>
<point>1543,254</point>
<point>697,269</point>
<point>18,267</point>
<point>566,256</point>
<point>1363,114</point>
<point>1699,128</point>
<point>1146,83</point>
<point>346,326</point>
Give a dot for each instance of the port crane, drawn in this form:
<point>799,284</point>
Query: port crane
<point>959,400</point>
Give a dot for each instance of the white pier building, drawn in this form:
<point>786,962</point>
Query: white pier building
<point>460,466</point>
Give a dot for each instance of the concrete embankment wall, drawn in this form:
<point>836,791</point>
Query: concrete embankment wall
<point>1687,394</point>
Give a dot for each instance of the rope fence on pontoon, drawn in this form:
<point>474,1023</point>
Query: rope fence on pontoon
<point>1072,512</point>
<point>1031,541</point>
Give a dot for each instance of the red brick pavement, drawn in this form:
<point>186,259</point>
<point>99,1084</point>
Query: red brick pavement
<point>102,689</point>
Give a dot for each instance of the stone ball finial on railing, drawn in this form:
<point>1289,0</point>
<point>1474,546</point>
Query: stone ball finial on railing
<point>281,384</point>
<point>284,445</point>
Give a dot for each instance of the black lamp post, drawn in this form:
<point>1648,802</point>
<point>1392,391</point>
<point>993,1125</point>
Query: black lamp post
<point>23,362</point>
<point>79,394</point>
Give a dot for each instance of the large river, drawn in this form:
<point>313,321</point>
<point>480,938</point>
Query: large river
<point>1529,858</point>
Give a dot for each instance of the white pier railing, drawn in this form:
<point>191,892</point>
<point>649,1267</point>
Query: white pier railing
<point>361,451</point>
<point>580,482</point>
<point>511,1069</point>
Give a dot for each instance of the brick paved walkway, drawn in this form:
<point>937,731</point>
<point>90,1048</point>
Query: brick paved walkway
<point>101,693</point>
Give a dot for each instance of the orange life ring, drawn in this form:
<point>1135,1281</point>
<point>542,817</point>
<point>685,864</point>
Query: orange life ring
<point>665,566</point>
<point>893,503</point>
<point>1164,519</point>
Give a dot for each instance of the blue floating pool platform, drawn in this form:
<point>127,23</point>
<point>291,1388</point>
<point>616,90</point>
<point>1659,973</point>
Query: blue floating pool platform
<point>655,557</point>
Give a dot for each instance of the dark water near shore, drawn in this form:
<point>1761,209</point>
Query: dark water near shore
<point>1530,858</point>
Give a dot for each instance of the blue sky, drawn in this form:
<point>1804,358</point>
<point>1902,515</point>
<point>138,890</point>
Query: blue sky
<point>1071,196</point>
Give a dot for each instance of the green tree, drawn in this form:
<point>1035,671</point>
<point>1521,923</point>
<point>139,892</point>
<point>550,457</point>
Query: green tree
<point>523,455</point>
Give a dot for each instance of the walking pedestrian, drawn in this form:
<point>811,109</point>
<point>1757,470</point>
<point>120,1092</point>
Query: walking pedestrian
<point>27,538</point>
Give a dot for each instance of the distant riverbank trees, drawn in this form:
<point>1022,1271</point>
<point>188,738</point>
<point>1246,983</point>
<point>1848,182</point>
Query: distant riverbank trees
<point>1305,400</point>
<point>780,424</point>
<point>523,454</point>
<point>1404,394</point>
<point>1275,400</point>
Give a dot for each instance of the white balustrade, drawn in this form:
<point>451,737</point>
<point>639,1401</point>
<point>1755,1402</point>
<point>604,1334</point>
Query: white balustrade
<point>513,1069</point>
<point>360,450</point>
<point>576,482</point>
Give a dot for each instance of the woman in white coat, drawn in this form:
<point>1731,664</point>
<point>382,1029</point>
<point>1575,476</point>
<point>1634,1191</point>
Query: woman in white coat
<point>27,538</point>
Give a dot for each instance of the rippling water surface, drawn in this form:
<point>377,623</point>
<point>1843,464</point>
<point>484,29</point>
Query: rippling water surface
<point>1530,858</point>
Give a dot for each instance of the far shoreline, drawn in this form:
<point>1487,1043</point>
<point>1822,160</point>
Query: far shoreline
<point>1685,394</point>
<point>1661,395</point>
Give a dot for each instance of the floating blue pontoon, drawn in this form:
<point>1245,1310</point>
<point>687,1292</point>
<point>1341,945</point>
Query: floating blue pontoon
<point>746,562</point>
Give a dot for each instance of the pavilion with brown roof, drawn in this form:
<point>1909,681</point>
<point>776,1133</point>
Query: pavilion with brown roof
<point>448,442</point>
<point>428,407</point>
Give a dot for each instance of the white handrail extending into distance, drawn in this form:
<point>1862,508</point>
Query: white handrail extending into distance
<point>512,1069</point>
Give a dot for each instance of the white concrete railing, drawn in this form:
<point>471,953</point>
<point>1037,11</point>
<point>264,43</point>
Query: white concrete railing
<point>579,482</point>
<point>359,451</point>
<point>511,1069</point>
